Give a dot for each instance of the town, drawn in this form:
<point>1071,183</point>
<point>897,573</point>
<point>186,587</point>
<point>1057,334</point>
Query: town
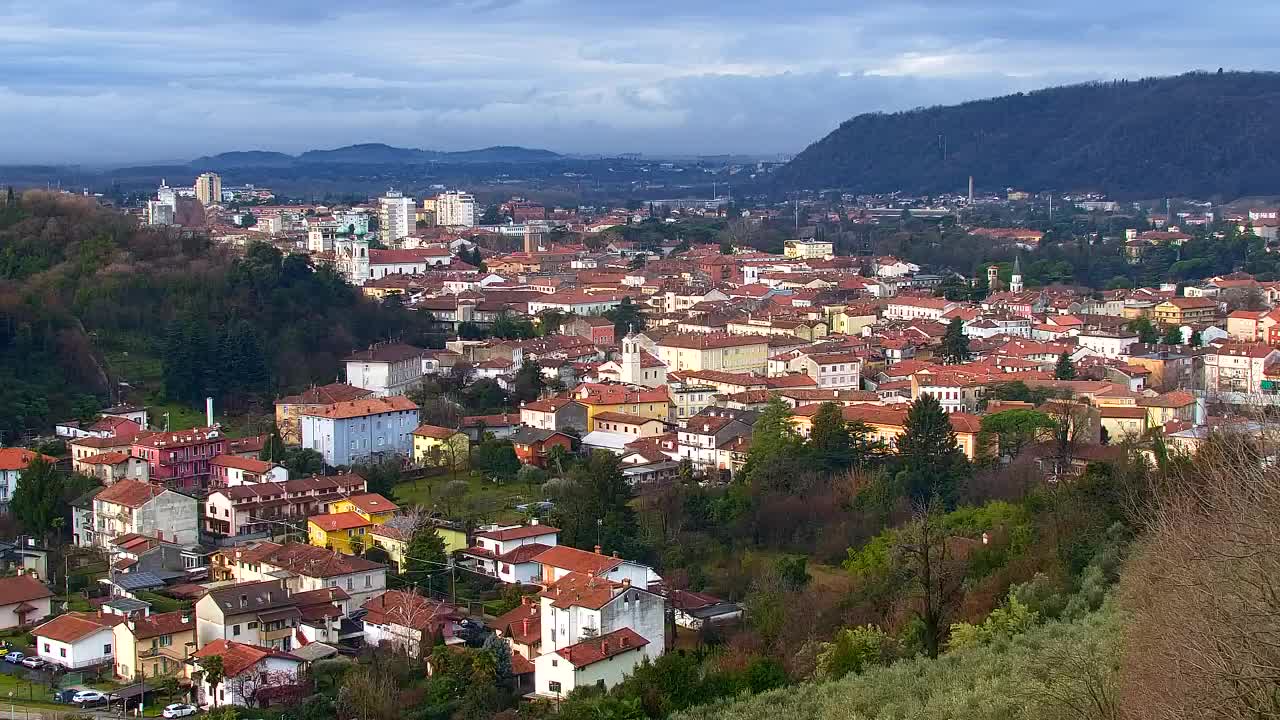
<point>594,445</point>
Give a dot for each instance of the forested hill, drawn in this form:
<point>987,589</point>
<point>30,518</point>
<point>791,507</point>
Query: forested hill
<point>89,300</point>
<point>1199,134</point>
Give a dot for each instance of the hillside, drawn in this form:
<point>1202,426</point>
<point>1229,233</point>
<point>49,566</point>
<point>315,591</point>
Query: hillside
<point>1197,134</point>
<point>371,154</point>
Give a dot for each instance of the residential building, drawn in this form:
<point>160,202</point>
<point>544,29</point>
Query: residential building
<point>532,445</point>
<point>24,600</point>
<point>180,459</point>
<point>918,308</point>
<point>209,189</point>
<point>233,470</point>
<point>409,622</point>
<point>77,640</point>
<point>606,397</point>
<point>348,432</point>
<point>599,330</point>
<point>349,521</point>
<point>693,610</point>
<point>1181,311</point>
<point>507,552</point>
<point>1237,367</point>
<point>133,506</point>
<point>574,302</point>
<point>835,370</point>
<point>714,351</point>
<point>395,217</point>
<point>393,538</point>
<point>384,369</point>
<point>809,249</point>
<point>153,645</point>
<point>289,409</point>
<point>309,568</point>
<point>252,675</point>
<point>559,413</point>
<point>707,439</point>
<point>1107,343</point>
<point>455,209</point>
<point>111,467</point>
<point>435,446</point>
<point>626,424</point>
<point>254,511</point>
<point>561,560</point>
<point>12,462</point>
<point>595,630</point>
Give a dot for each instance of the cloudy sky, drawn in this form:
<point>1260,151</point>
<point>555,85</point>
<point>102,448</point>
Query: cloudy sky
<point>141,80</point>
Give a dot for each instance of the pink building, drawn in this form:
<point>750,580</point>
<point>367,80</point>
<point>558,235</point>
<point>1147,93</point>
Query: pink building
<point>180,459</point>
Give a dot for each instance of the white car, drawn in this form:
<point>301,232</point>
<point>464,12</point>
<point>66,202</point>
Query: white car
<point>86,697</point>
<point>32,662</point>
<point>178,710</point>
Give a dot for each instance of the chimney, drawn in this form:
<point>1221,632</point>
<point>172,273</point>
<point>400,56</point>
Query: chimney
<point>604,647</point>
<point>533,521</point>
<point>598,549</point>
<point>626,582</point>
<point>208,410</point>
<point>524,625</point>
<point>186,618</point>
<point>615,554</point>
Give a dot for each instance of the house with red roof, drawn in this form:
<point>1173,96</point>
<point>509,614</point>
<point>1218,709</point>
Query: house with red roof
<point>595,630</point>
<point>253,676</point>
<point>141,508</point>
<point>232,470</point>
<point>408,621</point>
<point>12,462</point>
<point>23,600</point>
<point>180,459</point>
<point>507,552</point>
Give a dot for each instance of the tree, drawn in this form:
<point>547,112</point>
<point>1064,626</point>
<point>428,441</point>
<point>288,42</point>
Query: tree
<point>496,459</point>
<point>595,507</point>
<point>425,554</point>
<point>955,344</point>
<point>1172,335</point>
<point>774,460</point>
<point>558,458</point>
<point>626,317</point>
<point>1196,339</point>
<point>39,497</point>
<point>854,650</point>
<point>213,674</point>
<point>273,450</point>
<point>529,383</point>
<point>931,572</point>
<point>1065,369</point>
<point>829,439</point>
<point>303,462</point>
<point>931,463</point>
<point>1015,429</point>
<point>1147,332</point>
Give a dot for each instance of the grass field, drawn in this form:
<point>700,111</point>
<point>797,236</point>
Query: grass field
<point>484,501</point>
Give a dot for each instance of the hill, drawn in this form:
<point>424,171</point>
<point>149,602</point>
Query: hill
<point>367,153</point>
<point>371,154</point>
<point>1197,134</point>
<point>245,158</point>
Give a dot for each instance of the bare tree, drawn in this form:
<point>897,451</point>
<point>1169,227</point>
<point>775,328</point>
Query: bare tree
<point>932,566</point>
<point>1203,587</point>
<point>250,682</point>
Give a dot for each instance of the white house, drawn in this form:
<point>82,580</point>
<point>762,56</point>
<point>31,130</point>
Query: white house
<point>1105,343</point>
<point>575,302</point>
<point>407,262</point>
<point>387,368</point>
<point>251,675</point>
<point>308,568</point>
<point>23,600</point>
<point>407,620</point>
<point>833,370</point>
<point>562,560</point>
<point>78,640</point>
<point>915,308</point>
<point>594,632</point>
<point>507,552</point>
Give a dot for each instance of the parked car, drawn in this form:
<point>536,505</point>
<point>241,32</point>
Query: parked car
<point>88,697</point>
<point>33,662</point>
<point>178,710</point>
<point>14,657</point>
<point>64,696</point>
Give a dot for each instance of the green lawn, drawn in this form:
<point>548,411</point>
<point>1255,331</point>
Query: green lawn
<point>75,602</point>
<point>162,603</point>
<point>484,501</point>
<point>26,693</point>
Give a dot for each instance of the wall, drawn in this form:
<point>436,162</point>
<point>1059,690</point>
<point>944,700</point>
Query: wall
<point>172,513</point>
<point>93,649</point>
<point>9,619</point>
<point>643,612</point>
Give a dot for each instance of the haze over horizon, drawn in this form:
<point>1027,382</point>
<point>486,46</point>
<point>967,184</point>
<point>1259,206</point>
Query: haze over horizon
<point>120,82</point>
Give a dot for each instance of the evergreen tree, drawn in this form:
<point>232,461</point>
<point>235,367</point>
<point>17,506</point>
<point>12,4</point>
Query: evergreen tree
<point>39,497</point>
<point>1147,333</point>
<point>1065,369</point>
<point>774,459</point>
<point>529,383</point>
<point>627,316</point>
<point>496,459</point>
<point>829,440</point>
<point>596,508</point>
<point>425,558</point>
<point>931,464</point>
<point>1172,335</point>
<point>955,344</point>
<point>273,449</point>
<point>1196,339</point>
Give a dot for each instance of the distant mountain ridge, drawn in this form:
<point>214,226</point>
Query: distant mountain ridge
<point>1197,134</point>
<point>373,154</point>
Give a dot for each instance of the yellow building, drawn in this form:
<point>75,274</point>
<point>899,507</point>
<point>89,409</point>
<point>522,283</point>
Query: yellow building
<point>440,446</point>
<point>154,646</point>
<point>1185,310</point>
<point>809,249</point>
<point>714,351</point>
<point>395,541</point>
<point>1123,423</point>
<point>599,398</point>
<point>349,521</point>
<point>886,424</point>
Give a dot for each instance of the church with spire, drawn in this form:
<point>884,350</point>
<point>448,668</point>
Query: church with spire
<point>634,366</point>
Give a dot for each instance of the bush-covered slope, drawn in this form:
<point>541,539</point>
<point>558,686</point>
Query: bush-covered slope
<point>1033,676</point>
<point>1197,134</point>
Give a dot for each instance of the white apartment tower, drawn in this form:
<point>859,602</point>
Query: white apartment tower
<point>395,216</point>
<point>455,209</point>
<point>209,189</point>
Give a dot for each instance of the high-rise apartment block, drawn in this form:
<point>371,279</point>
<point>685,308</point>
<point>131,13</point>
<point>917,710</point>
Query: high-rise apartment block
<point>209,189</point>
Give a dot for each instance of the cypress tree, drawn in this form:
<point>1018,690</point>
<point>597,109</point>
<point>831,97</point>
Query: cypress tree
<point>931,462</point>
<point>1065,369</point>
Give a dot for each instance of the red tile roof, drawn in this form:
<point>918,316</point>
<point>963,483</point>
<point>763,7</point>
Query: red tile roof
<point>519,533</point>
<point>575,560</point>
<point>21,588</point>
<point>259,467</point>
<point>600,648</point>
<point>333,522</point>
<point>373,503</point>
<point>238,657</point>
<point>19,458</point>
<point>435,431</point>
<point>72,626</point>
<point>363,407</point>
<point>410,610</point>
<point>326,395</point>
<point>130,493</point>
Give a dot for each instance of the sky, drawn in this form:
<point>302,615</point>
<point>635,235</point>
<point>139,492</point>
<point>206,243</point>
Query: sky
<point>135,81</point>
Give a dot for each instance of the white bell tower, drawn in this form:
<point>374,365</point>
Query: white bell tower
<point>1015,282</point>
<point>630,363</point>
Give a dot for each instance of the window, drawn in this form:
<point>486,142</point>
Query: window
<point>350,584</point>
<point>166,640</point>
<point>253,625</point>
<point>368,581</point>
<point>46,647</point>
<point>235,630</point>
<point>106,649</point>
<point>62,652</point>
<point>555,663</point>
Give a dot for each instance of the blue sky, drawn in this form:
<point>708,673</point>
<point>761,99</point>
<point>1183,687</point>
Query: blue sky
<point>141,80</point>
